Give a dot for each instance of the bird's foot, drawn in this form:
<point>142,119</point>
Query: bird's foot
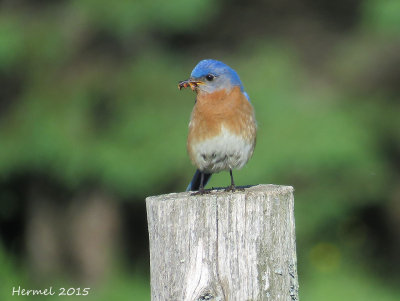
<point>233,188</point>
<point>201,191</point>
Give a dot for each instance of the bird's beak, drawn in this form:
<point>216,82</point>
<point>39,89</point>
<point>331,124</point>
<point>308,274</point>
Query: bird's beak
<point>190,83</point>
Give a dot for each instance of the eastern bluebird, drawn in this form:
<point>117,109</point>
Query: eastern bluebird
<point>222,128</point>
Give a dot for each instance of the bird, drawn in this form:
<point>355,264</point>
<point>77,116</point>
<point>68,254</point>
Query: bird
<point>222,128</point>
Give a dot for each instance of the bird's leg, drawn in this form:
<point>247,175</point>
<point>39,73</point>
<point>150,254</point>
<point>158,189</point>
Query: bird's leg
<point>201,188</point>
<point>232,180</point>
<point>233,186</point>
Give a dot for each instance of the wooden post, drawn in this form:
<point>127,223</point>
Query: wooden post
<point>223,246</point>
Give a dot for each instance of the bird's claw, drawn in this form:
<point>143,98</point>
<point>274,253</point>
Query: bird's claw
<point>201,192</point>
<point>233,188</point>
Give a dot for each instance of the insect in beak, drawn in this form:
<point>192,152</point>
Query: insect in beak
<point>189,83</point>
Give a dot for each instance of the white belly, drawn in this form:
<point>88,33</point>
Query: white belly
<point>223,152</point>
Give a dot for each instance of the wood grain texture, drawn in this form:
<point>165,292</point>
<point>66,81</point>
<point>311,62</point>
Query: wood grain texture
<point>223,246</point>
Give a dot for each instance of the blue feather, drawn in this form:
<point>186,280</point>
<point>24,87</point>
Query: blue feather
<point>194,185</point>
<point>208,66</point>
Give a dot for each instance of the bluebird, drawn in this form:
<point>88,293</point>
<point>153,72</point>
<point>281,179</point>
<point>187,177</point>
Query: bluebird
<point>222,128</point>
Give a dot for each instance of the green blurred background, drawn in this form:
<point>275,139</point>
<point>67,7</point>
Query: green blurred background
<point>92,122</point>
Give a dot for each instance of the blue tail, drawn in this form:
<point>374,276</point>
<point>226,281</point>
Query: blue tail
<point>195,183</point>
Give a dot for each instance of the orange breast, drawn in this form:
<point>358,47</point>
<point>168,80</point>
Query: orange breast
<point>214,110</point>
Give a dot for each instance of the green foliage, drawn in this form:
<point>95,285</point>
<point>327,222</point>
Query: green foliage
<point>346,283</point>
<point>383,16</point>
<point>126,17</point>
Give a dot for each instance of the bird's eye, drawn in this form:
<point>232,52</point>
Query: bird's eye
<point>210,77</point>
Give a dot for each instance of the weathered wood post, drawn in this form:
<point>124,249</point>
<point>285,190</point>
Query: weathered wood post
<point>223,246</point>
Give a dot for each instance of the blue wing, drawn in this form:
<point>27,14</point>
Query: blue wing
<point>247,96</point>
<point>194,185</point>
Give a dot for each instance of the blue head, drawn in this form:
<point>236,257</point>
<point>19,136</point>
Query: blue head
<point>210,76</point>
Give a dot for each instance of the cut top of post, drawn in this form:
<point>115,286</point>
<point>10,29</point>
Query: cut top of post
<point>269,189</point>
